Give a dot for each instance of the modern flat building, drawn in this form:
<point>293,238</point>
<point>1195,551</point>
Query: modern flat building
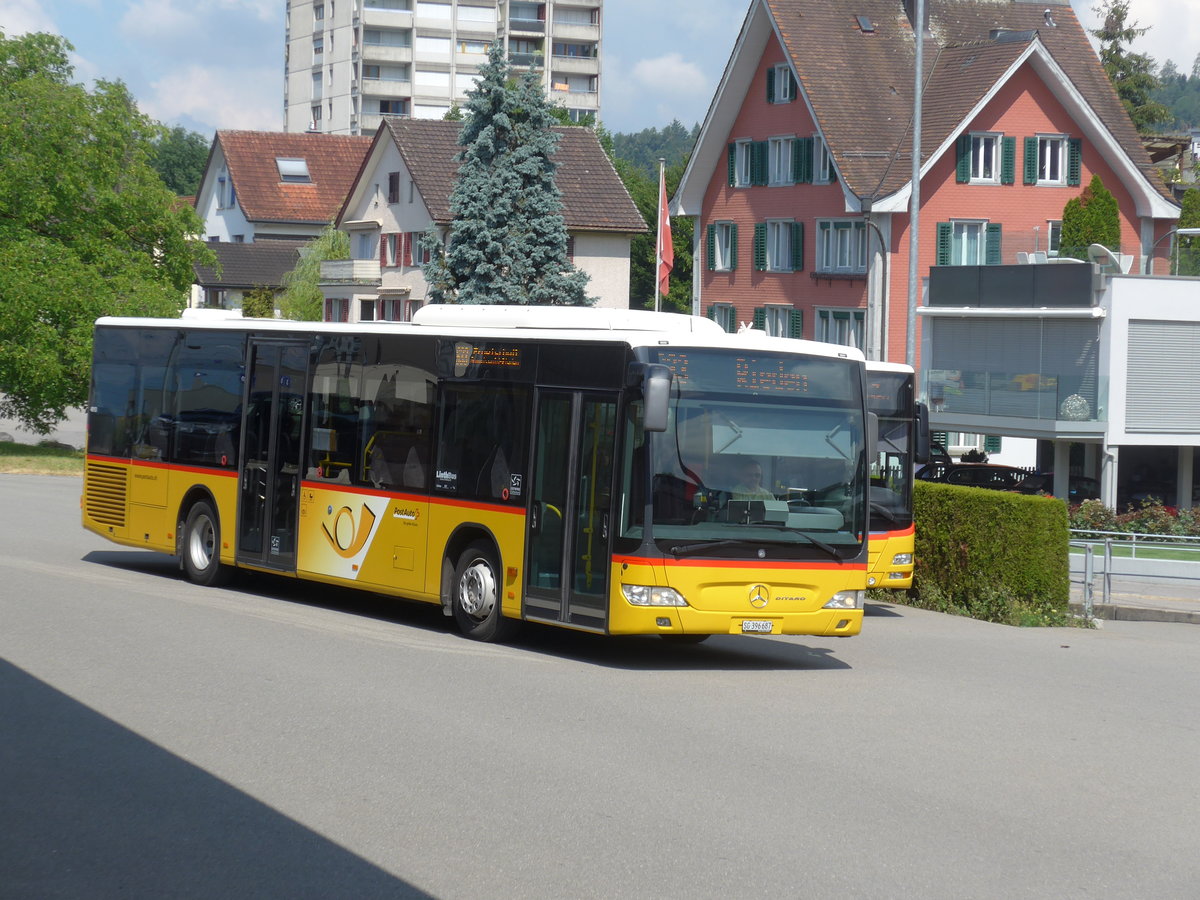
<point>347,63</point>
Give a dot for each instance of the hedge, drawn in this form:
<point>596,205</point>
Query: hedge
<point>994,555</point>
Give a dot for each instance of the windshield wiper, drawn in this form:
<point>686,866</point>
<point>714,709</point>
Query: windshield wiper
<point>877,509</point>
<point>688,549</point>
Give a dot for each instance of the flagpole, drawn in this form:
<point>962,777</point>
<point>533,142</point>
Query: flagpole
<point>658,244</point>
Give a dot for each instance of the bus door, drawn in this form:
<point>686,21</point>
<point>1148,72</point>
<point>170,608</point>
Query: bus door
<point>269,489</point>
<point>570,519</point>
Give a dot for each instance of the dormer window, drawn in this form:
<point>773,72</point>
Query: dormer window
<point>294,171</point>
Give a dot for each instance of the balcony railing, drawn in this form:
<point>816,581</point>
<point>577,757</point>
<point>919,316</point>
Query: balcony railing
<point>527,26</point>
<point>350,271</point>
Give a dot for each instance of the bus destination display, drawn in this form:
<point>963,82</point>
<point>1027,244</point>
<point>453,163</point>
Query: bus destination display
<point>740,372</point>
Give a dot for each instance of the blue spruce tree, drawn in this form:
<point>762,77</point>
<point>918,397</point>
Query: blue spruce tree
<point>507,241</point>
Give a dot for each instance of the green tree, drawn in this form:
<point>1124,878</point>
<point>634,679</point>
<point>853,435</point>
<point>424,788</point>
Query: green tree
<point>87,227</point>
<point>259,303</point>
<point>507,239</point>
<point>1188,247</point>
<point>179,157</point>
<point>1091,218</point>
<point>301,298</point>
<point>1132,74</point>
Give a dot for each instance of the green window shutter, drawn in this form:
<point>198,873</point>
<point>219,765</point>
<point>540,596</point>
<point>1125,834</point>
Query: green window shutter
<point>758,162</point>
<point>962,159</point>
<point>796,325</point>
<point>797,246</point>
<point>945,235</point>
<point>771,84</point>
<point>1074,161</point>
<point>760,318</point>
<point>732,164</point>
<point>733,248</point>
<point>760,245</point>
<point>940,437</point>
<point>802,154</point>
<point>992,443</point>
<point>1031,160</point>
<point>1008,160</point>
<point>710,246</point>
<point>712,310</point>
<point>992,251</point>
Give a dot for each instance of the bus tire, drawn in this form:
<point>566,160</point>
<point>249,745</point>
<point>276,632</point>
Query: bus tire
<point>201,547</point>
<point>475,595</point>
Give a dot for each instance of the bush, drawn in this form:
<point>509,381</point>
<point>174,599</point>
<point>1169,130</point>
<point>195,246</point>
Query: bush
<point>993,555</point>
<point>259,303</point>
<point>1148,517</point>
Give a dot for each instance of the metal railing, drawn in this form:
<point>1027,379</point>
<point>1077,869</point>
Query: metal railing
<point>1176,543</point>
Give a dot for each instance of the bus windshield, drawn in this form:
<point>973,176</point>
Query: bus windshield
<point>765,450</point>
<point>889,396</point>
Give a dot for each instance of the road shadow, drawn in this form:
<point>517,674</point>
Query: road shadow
<point>644,653</point>
<point>90,809</point>
<point>883,610</point>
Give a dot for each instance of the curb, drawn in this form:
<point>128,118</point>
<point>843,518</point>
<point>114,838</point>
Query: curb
<point>1118,612</point>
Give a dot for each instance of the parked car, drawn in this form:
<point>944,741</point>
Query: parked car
<point>985,475</point>
<point>1079,487</point>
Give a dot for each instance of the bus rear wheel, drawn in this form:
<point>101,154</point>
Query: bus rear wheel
<point>475,596</point>
<point>201,546</point>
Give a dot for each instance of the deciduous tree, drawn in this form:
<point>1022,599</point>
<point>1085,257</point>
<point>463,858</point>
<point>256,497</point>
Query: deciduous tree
<point>301,298</point>
<point>178,157</point>
<point>87,227</point>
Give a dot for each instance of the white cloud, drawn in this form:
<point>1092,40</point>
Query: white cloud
<point>671,74</point>
<point>159,21</point>
<point>250,98</point>
<point>23,17</point>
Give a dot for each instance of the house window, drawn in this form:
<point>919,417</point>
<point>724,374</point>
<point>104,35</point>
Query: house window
<point>393,107</point>
<point>984,168</point>
<point>780,246</point>
<point>823,172</point>
<point>781,88</point>
<point>366,311</point>
<point>239,238</point>
<point>337,309</point>
<point>778,321</point>
<point>370,72</point>
<point>780,161</point>
<point>571,249</point>
<point>1054,235</point>
<point>411,308</point>
<point>841,326</point>
<point>419,254</point>
<point>393,187</point>
<point>968,243</point>
<point>391,309</point>
<point>724,315</point>
<point>319,13</point>
<point>1051,163</point>
<point>842,246</point>
<point>722,246</point>
<point>316,114</point>
<point>318,46</point>
<point>364,245</point>
<point>293,171</point>
<point>743,164</point>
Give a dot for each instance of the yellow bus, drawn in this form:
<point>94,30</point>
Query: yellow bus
<point>574,467</point>
<point>903,442</point>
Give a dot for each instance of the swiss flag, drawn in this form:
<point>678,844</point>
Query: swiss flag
<point>666,250</point>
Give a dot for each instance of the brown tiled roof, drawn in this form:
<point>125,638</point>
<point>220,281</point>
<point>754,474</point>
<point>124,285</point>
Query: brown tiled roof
<point>593,197</point>
<point>860,84</point>
<point>249,265</point>
<point>333,162</point>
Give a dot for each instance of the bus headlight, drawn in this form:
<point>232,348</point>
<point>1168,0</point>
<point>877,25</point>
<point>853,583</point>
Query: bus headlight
<point>645,595</point>
<point>902,559</point>
<point>846,600</point>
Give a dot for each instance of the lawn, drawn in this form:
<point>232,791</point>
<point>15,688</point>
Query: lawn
<point>35,459</point>
<point>1187,552</point>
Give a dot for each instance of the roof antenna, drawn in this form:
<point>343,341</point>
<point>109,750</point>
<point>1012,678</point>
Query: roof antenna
<point>1050,23</point>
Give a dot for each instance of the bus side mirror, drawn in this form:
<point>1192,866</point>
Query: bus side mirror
<point>872,435</point>
<point>921,434</point>
<point>656,395</point>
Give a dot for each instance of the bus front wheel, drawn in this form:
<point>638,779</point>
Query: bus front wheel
<point>476,595</point>
<point>201,548</point>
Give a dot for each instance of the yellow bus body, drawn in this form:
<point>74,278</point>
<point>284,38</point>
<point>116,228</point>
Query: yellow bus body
<point>882,550</point>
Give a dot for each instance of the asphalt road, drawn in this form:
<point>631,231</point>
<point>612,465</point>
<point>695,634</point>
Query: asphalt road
<point>286,740</point>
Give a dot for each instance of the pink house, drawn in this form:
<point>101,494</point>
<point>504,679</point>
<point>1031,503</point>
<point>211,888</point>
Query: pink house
<point>800,181</point>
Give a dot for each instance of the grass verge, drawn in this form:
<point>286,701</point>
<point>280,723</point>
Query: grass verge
<point>39,459</point>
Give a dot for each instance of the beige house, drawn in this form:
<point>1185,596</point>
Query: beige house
<point>404,185</point>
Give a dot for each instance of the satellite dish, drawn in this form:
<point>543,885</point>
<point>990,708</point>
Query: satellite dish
<point>1108,262</point>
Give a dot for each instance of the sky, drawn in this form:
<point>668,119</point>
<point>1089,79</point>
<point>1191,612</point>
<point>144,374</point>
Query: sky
<point>218,64</point>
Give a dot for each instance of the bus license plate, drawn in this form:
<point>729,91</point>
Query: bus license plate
<point>756,626</point>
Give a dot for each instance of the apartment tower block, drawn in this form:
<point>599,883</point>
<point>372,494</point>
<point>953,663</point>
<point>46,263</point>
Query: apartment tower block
<point>349,62</point>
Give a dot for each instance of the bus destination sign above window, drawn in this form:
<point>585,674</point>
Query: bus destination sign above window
<point>740,372</point>
<point>466,359</point>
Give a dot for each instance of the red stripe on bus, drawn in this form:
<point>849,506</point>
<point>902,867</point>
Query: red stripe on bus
<point>738,563</point>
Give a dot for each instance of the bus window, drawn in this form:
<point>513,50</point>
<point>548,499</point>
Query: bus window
<point>205,406</point>
<point>128,378</point>
<point>483,439</point>
<point>397,425</point>
<point>336,398</point>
